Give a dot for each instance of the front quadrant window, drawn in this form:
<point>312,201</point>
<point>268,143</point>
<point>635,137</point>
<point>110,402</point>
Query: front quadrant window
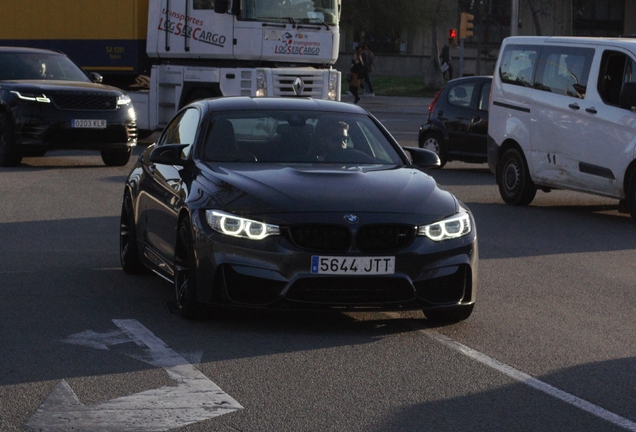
<point>518,64</point>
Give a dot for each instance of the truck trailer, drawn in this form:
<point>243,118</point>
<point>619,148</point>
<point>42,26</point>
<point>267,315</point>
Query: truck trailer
<point>167,53</point>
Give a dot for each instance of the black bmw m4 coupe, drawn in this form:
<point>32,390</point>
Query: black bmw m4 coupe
<point>296,204</point>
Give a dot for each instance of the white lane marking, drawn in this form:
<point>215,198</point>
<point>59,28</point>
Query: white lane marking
<point>193,397</point>
<point>532,382</point>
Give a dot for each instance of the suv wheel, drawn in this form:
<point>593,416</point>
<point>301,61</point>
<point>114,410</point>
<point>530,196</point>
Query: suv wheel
<point>116,157</point>
<point>10,156</point>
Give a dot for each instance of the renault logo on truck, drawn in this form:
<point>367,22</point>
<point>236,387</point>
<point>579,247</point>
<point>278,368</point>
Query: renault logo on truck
<point>298,86</point>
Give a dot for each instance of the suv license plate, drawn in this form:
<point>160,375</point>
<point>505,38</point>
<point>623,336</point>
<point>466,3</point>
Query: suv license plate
<point>352,265</point>
<point>88,124</point>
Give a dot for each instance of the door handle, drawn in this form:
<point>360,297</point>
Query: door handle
<point>591,110</point>
<point>574,106</point>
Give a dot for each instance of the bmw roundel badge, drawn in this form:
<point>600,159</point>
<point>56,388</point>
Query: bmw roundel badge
<point>351,218</point>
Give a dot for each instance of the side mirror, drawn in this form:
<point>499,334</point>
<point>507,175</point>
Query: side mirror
<point>628,96</point>
<point>423,158</point>
<point>97,78</point>
<point>169,154</point>
<point>221,6</point>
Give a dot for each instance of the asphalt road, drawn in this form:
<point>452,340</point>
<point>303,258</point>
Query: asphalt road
<point>550,346</point>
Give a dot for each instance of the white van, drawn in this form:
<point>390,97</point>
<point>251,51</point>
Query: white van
<point>563,116</point>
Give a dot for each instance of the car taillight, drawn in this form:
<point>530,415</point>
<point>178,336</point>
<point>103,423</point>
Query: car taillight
<point>431,106</point>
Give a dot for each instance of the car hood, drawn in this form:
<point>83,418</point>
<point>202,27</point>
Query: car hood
<point>254,189</point>
<point>49,86</point>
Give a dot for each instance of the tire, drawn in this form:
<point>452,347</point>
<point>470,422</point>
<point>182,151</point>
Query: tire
<point>116,157</point>
<point>435,142</point>
<point>128,246</point>
<point>450,316</point>
<point>515,185</point>
<point>185,275</point>
<point>631,196</point>
<point>10,156</point>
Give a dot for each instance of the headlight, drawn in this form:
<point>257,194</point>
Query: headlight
<point>453,227</point>
<point>332,90</point>
<point>32,97</point>
<point>235,226</point>
<point>261,84</point>
<point>123,99</point>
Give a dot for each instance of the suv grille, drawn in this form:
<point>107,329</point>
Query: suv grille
<point>93,101</point>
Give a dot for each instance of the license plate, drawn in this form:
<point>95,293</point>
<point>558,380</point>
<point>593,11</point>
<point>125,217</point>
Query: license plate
<point>352,265</point>
<point>88,123</point>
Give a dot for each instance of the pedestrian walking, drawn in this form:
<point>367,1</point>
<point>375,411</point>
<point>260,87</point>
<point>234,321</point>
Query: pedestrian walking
<point>355,74</point>
<point>447,62</point>
<point>367,60</point>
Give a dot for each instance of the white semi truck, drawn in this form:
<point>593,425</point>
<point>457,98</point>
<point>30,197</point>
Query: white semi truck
<point>177,51</point>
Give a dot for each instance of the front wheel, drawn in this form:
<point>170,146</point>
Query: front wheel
<point>116,157</point>
<point>128,246</point>
<point>435,143</point>
<point>515,185</point>
<point>185,275</point>
<point>10,156</point>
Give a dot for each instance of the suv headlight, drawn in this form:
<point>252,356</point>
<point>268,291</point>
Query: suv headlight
<point>452,227</point>
<point>123,99</point>
<point>235,226</point>
<point>32,97</point>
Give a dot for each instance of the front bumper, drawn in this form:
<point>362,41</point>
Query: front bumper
<point>275,274</point>
<point>45,127</point>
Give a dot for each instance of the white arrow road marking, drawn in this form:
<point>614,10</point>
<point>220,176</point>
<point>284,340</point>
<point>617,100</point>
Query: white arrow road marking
<point>192,399</point>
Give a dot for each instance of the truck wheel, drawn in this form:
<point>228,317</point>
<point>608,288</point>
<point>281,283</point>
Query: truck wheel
<point>434,142</point>
<point>515,185</point>
<point>631,196</point>
<point>116,157</point>
<point>10,156</point>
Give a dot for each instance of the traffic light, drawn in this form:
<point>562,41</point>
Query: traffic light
<point>466,26</point>
<point>452,37</point>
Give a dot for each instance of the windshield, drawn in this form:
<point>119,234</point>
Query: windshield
<point>290,11</point>
<point>281,136</point>
<point>39,66</point>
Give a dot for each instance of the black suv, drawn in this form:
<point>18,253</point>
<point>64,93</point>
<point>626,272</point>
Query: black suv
<point>457,123</point>
<point>48,102</point>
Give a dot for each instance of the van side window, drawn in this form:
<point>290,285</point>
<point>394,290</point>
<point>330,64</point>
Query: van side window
<point>564,70</point>
<point>616,69</point>
<point>518,63</point>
